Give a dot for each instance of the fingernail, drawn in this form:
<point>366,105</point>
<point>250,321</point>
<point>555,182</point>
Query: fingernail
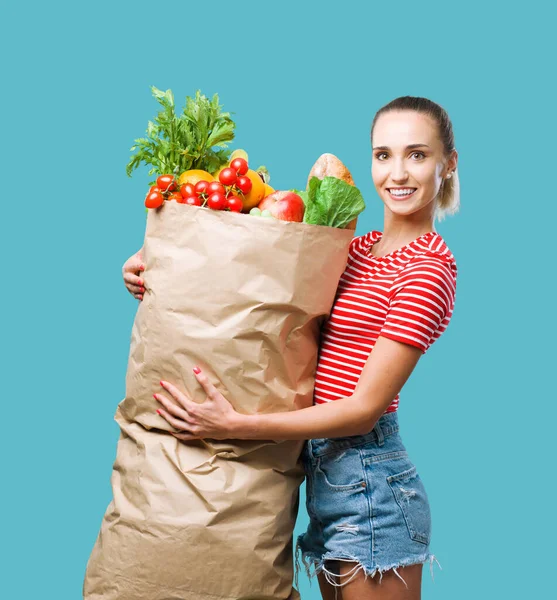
<point>158,412</point>
<point>142,267</point>
<point>162,383</point>
<point>142,290</point>
<point>155,396</point>
<point>140,282</point>
<point>196,370</point>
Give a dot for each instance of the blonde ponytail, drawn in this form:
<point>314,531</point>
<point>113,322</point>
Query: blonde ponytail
<point>448,198</point>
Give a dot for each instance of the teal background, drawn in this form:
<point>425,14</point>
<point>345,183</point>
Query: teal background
<point>302,78</point>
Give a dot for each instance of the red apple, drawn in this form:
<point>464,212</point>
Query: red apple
<point>286,206</point>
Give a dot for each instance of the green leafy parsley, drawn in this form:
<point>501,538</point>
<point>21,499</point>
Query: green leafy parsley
<point>195,139</point>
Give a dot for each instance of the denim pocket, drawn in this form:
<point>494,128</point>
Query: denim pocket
<point>342,470</point>
<point>410,494</point>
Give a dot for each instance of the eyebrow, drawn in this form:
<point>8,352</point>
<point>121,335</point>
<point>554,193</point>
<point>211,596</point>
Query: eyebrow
<point>411,147</point>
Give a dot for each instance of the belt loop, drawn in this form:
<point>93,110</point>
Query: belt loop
<point>310,449</point>
<point>379,434</point>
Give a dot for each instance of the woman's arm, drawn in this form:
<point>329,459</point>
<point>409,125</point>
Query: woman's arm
<point>385,372</point>
<point>383,376</point>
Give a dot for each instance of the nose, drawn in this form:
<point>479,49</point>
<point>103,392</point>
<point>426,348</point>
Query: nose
<point>398,172</point>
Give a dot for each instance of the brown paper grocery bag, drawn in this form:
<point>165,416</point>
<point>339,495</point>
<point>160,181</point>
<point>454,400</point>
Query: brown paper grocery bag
<point>243,297</point>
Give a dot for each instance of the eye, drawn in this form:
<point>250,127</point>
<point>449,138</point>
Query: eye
<point>379,154</point>
<point>420,153</point>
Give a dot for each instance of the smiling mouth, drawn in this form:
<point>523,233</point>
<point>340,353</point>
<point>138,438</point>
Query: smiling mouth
<point>401,193</point>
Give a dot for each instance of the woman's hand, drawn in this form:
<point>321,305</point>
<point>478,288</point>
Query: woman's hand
<point>130,272</point>
<point>215,418</point>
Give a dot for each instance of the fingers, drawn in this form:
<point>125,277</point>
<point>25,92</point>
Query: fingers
<point>136,291</point>
<point>185,437</point>
<point>172,409</point>
<point>177,395</point>
<point>134,283</point>
<point>130,271</point>
<point>134,264</point>
<point>210,389</point>
<point>177,423</point>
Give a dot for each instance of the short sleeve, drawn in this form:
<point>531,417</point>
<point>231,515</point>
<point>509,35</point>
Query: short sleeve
<point>421,302</point>
<point>360,244</point>
<point>354,243</point>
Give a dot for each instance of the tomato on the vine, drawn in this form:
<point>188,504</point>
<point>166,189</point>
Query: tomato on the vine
<point>187,189</point>
<point>244,184</point>
<point>166,183</point>
<point>152,189</point>
<point>192,200</point>
<point>228,176</point>
<point>240,166</point>
<point>215,186</point>
<point>154,200</point>
<point>201,187</point>
<point>216,201</point>
<point>234,203</point>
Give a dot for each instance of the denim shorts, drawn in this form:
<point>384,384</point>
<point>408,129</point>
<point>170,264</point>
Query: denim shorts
<point>366,503</point>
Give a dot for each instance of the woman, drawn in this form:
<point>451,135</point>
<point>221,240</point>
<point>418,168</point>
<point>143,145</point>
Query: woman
<point>368,508</point>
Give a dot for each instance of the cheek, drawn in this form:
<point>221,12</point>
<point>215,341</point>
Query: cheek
<point>426,175</point>
<point>378,173</point>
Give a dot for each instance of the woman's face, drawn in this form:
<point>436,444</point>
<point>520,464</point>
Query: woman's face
<point>408,164</point>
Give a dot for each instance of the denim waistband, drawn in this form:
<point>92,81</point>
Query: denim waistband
<point>385,426</point>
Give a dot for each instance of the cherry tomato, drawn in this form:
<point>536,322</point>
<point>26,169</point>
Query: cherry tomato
<point>234,203</point>
<point>166,183</point>
<point>193,200</point>
<point>215,186</point>
<point>154,200</point>
<point>244,184</point>
<point>216,201</point>
<point>201,187</point>
<point>152,189</point>
<point>187,189</point>
<point>176,196</point>
<point>228,176</point>
<point>240,166</point>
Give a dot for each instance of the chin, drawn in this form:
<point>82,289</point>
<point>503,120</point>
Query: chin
<point>402,209</point>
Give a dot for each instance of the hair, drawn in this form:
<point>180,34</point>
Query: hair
<point>447,200</point>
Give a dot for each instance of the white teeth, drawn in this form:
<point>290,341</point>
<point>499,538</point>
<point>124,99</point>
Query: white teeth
<point>402,192</point>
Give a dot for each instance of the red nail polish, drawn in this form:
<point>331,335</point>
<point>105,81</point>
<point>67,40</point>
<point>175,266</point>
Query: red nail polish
<point>196,370</point>
<point>140,282</point>
<point>155,396</point>
<point>162,383</point>
<point>158,412</point>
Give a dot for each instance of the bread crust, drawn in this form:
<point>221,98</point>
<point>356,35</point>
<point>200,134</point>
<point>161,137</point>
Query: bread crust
<point>328,165</point>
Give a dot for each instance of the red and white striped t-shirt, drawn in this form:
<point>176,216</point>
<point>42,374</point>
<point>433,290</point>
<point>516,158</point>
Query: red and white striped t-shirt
<point>407,296</point>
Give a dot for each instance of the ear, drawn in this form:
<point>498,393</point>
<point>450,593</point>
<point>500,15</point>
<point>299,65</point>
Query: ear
<point>452,162</point>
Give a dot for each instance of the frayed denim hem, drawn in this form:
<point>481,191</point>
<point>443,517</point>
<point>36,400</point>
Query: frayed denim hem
<point>310,559</point>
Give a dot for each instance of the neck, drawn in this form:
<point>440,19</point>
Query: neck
<point>401,230</point>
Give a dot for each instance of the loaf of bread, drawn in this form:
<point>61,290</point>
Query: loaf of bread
<point>328,165</point>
